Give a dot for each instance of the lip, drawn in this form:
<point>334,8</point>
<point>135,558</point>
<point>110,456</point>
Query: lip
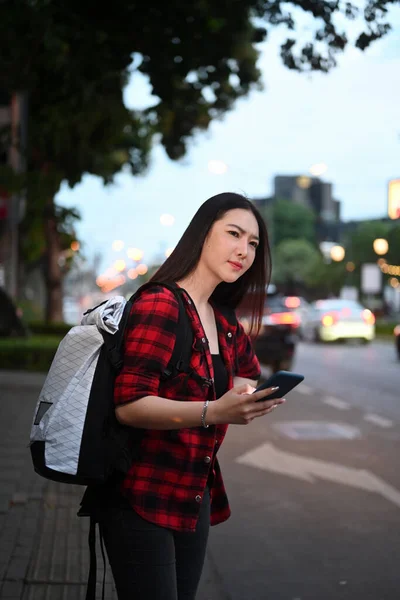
<point>235,265</point>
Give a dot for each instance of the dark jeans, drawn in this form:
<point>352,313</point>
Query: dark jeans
<point>150,562</point>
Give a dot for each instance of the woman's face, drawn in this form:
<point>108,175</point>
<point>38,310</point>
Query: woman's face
<point>230,247</point>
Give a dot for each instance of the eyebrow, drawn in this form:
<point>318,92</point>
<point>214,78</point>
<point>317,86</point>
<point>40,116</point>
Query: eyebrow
<point>243,231</point>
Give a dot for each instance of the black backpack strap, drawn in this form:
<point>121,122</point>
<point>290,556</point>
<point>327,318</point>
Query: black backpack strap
<point>182,352</point>
<point>91,585</point>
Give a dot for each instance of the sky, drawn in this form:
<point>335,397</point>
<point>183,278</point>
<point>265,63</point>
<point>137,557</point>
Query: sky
<point>348,119</point>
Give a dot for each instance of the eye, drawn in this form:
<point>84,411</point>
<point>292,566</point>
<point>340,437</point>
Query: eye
<point>234,233</point>
<point>254,244</point>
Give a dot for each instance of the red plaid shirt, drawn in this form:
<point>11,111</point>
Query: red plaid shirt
<point>166,483</point>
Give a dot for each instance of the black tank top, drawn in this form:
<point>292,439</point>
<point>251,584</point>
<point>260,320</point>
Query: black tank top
<point>220,375</point>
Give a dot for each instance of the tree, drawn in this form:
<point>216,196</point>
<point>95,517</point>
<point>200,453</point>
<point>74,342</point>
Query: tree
<point>73,60</point>
<point>393,238</point>
<point>292,222</point>
<point>359,243</point>
<point>294,260</point>
<point>360,250</point>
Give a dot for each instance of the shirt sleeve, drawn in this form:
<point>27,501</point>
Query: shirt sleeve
<point>247,362</point>
<point>149,342</point>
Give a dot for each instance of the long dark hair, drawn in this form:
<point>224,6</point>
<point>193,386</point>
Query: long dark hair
<point>186,255</point>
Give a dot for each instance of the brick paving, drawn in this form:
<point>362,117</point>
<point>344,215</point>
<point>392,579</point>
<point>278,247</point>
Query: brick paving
<point>43,544</point>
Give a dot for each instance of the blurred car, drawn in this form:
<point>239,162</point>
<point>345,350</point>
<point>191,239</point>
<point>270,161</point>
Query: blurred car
<point>337,319</point>
<point>396,333</point>
<point>300,306</point>
<point>276,343</point>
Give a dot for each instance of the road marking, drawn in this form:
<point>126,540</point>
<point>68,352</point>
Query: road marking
<point>304,389</point>
<point>317,430</point>
<point>377,420</point>
<point>269,458</point>
<point>336,403</point>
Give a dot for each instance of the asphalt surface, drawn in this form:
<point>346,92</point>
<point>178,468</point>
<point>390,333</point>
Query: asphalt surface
<point>314,489</point>
<point>315,486</point>
<point>366,376</point>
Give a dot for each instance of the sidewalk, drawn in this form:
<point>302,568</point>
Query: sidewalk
<point>43,544</point>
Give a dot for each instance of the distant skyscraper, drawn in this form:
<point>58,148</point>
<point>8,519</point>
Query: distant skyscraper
<point>312,193</point>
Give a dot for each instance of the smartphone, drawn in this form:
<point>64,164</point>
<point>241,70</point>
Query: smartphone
<point>286,380</point>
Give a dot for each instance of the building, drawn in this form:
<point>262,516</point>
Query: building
<point>310,192</point>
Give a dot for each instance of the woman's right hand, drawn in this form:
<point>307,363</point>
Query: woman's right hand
<point>240,405</point>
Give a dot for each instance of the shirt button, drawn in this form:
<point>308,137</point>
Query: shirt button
<point>207,460</point>
<point>198,498</point>
<point>229,335</point>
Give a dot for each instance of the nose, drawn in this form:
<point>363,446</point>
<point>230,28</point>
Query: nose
<point>242,248</point>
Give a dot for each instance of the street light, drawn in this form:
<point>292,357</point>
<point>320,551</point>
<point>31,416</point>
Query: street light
<point>120,265</point>
<point>117,245</point>
<point>217,167</point>
<point>142,269</point>
<point>380,246</point>
<point>135,254</point>
<point>167,220</point>
<point>318,169</point>
<point>337,253</point>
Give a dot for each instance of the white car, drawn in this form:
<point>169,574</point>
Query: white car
<point>337,319</point>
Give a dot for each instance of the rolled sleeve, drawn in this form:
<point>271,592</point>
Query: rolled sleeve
<point>247,362</point>
<point>149,342</point>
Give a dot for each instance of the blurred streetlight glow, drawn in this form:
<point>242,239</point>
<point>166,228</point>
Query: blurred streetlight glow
<point>119,265</point>
<point>167,220</point>
<point>303,182</point>
<point>142,269</point>
<point>132,274</point>
<point>75,246</point>
<point>217,167</point>
<point>380,246</point>
<point>101,280</point>
<point>350,267</point>
<point>135,253</point>
<point>168,252</point>
<point>337,253</point>
<point>318,169</point>
<point>117,245</point>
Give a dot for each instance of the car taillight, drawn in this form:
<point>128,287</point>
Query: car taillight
<point>285,318</point>
<point>329,319</point>
<point>292,302</point>
<point>368,317</point>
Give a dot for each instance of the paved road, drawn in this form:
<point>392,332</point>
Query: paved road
<point>315,487</point>
<point>364,376</point>
<point>314,490</point>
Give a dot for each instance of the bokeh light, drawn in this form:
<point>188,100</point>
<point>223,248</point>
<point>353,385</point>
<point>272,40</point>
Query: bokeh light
<point>217,167</point>
<point>117,245</point>
<point>167,220</point>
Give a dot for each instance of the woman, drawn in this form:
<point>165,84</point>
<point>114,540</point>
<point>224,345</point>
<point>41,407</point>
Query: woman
<point>156,531</point>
